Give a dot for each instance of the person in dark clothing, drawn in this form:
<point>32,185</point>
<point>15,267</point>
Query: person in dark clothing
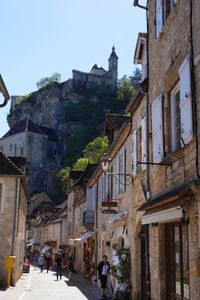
<point>48,262</point>
<point>70,267</point>
<point>59,267</point>
<point>103,270</point>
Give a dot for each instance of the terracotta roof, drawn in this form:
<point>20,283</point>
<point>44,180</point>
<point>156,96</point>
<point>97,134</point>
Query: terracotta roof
<point>87,173</point>
<point>7,167</point>
<point>114,121</point>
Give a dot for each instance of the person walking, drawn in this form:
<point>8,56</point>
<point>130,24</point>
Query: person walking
<point>59,266</point>
<point>103,270</point>
<point>35,261</point>
<point>41,263</point>
<point>70,267</point>
<point>48,262</point>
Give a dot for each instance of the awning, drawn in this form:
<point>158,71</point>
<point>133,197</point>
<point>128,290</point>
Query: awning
<point>83,237</point>
<point>163,216</point>
<point>45,248</point>
<point>117,216</point>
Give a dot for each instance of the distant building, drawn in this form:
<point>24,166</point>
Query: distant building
<point>99,75</point>
<point>38,145</point>
<point>13,200</point>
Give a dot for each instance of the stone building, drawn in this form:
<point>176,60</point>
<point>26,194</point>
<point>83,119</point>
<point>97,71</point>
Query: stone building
<point>38,145</point>
<point>99,75</point>
<point>170,213</point>
<point>13,201</point>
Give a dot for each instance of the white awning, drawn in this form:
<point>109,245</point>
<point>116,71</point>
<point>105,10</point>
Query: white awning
<point>30,244</point>
<point>82,237</point>
<point>45,248</point>
<point>164,216</point>
<point>117,216</point>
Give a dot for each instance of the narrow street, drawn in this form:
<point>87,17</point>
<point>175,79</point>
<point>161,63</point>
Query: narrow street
<point>43,286</point>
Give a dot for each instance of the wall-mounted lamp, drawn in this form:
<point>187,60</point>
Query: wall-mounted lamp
<point>105,163</point>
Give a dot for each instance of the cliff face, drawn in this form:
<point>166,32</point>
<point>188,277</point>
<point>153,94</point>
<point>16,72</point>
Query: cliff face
<point>75,111</point>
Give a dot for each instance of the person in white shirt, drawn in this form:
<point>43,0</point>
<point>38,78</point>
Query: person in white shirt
<point>103,270</point>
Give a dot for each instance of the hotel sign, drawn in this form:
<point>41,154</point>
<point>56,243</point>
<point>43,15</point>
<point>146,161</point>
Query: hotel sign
<point>109,211</point>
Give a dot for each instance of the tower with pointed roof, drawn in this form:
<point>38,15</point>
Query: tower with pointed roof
<point>113,65</point>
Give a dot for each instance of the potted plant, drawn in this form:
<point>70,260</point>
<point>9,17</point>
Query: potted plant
<point>122,272</point>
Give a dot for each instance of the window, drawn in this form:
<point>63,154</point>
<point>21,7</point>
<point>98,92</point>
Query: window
<point>15,149</point>
<point>185,101</point>
<point>1,148</point>
<point>1,196</point>
<point>134,152</point>
<point>143,143</point>
<point>163,10</point>
<point>175,119</point>
<point>10,147</point>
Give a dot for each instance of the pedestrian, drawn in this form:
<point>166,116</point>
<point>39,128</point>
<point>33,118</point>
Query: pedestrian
<point>48,262</point>
<point>35,261</point>
<point>70,267</point>
<point>59,266</point>
<point>41,263</point>
<point>103,270</point>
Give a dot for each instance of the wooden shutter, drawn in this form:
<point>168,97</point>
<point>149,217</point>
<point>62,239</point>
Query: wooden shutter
<point>123,177</point>
<point>185,101</point>
<point>159,16</point>
<point>143,142</point>
<point>134,152</point>
<point>117,176</point>
<point>157,130</point>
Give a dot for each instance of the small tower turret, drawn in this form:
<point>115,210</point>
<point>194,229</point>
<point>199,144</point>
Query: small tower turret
<point>113,65</point>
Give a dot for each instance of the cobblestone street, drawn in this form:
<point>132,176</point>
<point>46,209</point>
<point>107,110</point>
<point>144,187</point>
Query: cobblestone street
<point>43,286</point>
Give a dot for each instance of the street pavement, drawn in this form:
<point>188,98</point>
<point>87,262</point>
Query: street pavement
<point>43,286</point>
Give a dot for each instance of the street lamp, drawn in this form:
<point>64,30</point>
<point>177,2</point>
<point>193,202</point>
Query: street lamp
<point>4,92</point>
<point>105,163</point>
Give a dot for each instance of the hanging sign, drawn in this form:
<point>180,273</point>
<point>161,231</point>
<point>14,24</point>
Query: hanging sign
<point>109,211</point>
<point>109,204</point>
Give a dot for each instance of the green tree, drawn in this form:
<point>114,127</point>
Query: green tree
<point>81,164</point>
<point>126,90</point>
<point>48,81</point>
<point>64,176</point>
<point>95,149</point>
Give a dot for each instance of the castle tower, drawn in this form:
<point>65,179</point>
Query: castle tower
<point>113,65</point>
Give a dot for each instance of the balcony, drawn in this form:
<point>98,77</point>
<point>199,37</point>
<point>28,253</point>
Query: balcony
<point>88,218</point>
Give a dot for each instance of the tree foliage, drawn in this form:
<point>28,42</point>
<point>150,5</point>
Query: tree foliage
<point>95,149</point>
<point>81,164</point>
<point>122,271</point>
<point>48,81</point>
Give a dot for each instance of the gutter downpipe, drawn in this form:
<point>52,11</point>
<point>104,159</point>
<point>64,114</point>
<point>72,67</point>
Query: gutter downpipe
<point>15,215</point>
<point>193,88</point>
<point>96,229</point>
<point>148,195</point>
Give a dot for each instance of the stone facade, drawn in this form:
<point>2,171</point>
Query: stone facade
<point>174,186</point>
<point>13,200</point>
<point>99,75</point>
<point>39,147</point>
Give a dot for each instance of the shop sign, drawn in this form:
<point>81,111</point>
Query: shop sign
<point>109,211</point>
<point>109,204</point>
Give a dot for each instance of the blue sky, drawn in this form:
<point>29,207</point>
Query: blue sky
<point>41,37</point>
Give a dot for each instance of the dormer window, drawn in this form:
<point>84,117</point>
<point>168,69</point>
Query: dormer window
<point>140,56</point>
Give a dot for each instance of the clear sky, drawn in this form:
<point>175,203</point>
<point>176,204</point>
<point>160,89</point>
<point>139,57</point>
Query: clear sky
<point>41,37</point>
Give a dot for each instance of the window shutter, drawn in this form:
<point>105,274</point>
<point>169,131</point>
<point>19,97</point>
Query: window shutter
<point>123,177</point>
<point>157,130</point>
<point>134,153</point>
<point>143,143</point>
<point>185,101</point>
<point>117,176</point>
<point>159,16</point>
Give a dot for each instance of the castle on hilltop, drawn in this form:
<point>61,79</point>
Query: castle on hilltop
<point>99,75</point>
